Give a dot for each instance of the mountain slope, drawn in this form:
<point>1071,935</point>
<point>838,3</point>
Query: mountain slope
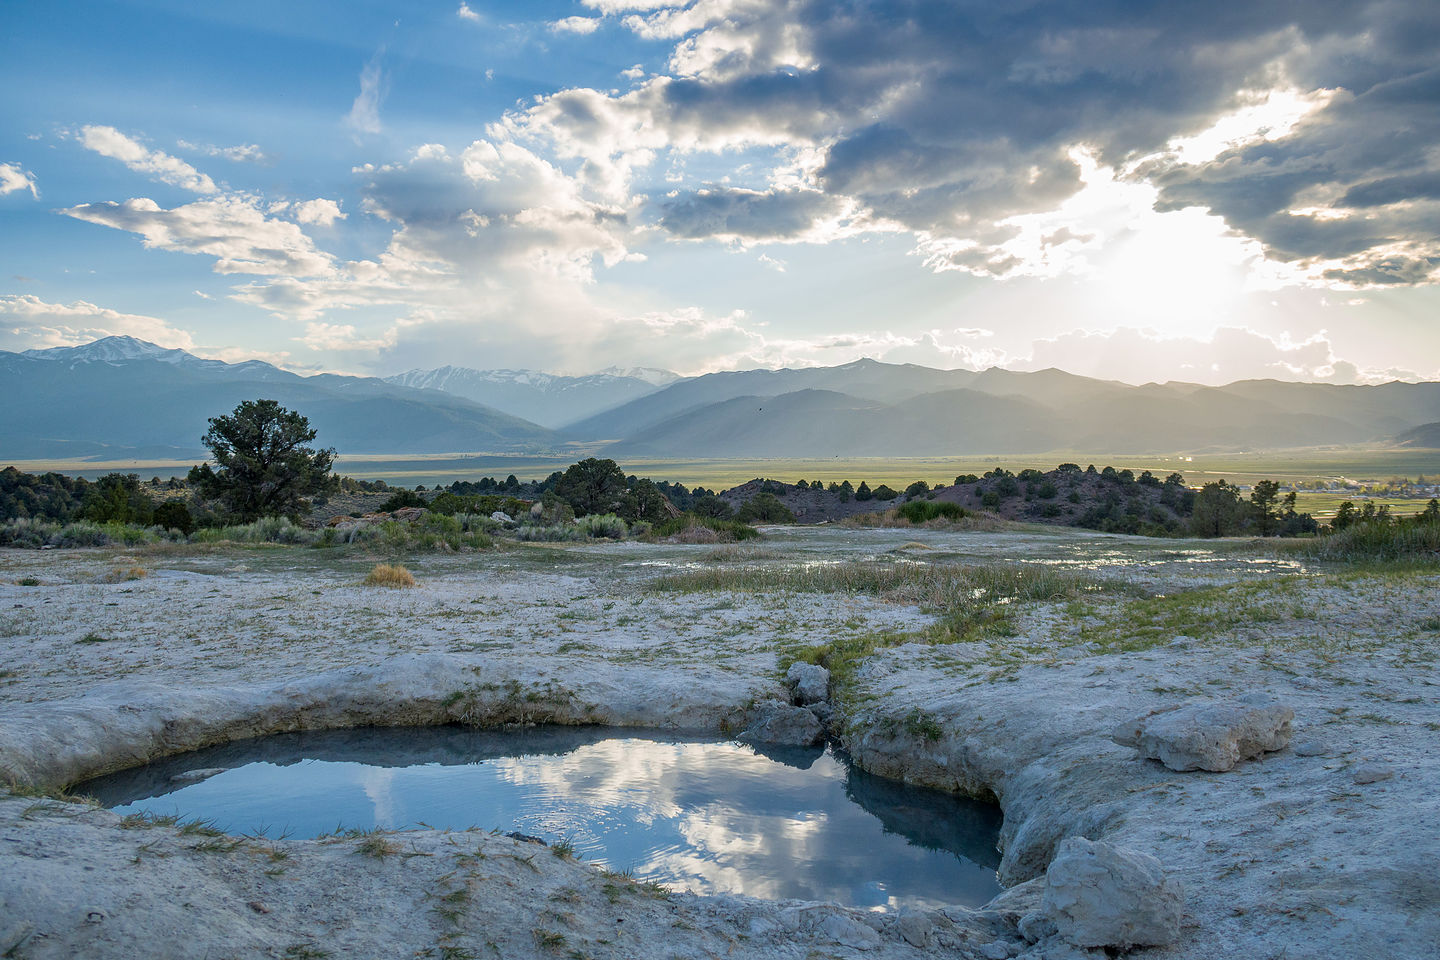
<point>824,423</point>
<point>118,398</point>
<point>1426,436</point>
<point>544,398</point>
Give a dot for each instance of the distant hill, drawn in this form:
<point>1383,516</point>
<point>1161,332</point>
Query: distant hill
<point>1427,436</point>
<point>544,398</point>
<point>867,408</point>
<point>120,398</point>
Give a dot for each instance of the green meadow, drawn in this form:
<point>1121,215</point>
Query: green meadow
<point>1364,465</point>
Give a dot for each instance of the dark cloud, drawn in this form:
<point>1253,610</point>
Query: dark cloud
<point>747,215</point>
<point>947,118</point>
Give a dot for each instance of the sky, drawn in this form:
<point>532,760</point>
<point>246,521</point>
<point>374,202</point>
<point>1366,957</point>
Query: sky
<point>1137,191</point>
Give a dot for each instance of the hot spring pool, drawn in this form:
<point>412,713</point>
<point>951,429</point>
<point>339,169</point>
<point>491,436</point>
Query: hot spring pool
<point>708,816</point>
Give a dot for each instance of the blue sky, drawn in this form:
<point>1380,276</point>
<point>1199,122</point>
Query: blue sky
<point>1136,191</point>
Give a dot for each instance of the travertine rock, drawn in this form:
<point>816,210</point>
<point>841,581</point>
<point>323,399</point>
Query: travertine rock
<point>775,721</point>
<point>810,682</point>
<point>1101,895</point>
<point>1209,736</point>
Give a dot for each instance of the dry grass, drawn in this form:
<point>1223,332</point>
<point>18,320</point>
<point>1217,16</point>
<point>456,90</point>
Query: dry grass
<point>389,575</point>
<point>124,574</point>
<point>975,522</point>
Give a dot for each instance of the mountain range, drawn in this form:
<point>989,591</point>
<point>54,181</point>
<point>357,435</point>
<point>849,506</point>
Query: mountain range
<point>545,398</point>
<point>121,398</point>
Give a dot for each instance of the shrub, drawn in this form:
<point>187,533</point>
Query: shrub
<point>685,529</point>
<point>1413,539</point>
<point>400,500</point>
<point>923,511</point>
<point>917,489</point>
<point>389,575</point>
<point>598,526</point>
<point>174,515</point>
<point>766,508</point>
<point>883,492</point>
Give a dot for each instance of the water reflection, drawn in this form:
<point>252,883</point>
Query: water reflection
<point>707,816</point>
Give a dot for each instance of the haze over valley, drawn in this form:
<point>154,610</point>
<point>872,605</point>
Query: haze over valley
<point>121,398</point>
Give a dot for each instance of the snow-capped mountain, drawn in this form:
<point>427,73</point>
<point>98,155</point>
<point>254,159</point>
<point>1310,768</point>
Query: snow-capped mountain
<point>544,398</point>
<point>120,397</point>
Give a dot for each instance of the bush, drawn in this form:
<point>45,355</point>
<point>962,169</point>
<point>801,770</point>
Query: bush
<point>917,489</point>
<point>883,492</point>
<point>174,515</point>
<point>389,575</point>
<point>1414,539</point>
<point>923,511</point>
<point>766,508</point>
<point>599,526</point>
<point>725,531</point>
<point>401,500</point>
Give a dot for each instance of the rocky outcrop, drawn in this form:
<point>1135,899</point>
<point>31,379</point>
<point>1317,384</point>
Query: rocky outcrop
<point>775,721</point>
<point>810,683</point>
<point>1100,895</point>
<point>1209,736</point>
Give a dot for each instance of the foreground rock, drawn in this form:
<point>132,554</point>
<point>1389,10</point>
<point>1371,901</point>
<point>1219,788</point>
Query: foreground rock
<point>1210,736</point>
<point>775,721</point>
<point>810,682</point>
<point>1100,895</point>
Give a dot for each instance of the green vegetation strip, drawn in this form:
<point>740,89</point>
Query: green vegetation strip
<point>972,602</point>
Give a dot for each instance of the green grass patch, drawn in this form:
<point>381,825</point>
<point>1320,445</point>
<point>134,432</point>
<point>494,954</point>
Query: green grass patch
<point>686,526</point>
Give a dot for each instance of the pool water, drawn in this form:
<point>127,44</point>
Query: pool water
<point>707,816</point>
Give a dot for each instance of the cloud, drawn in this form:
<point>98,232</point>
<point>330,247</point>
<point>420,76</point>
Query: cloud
<point>156,164</point>
<point>465,13</point>
<point>1306,128</point>
<point>27,322</point>
<point>244,153</point>
<point>627,6</point>
<point>13,178</point>
<point>1230,354</point>
<point>233,230</point>
<point>753,216</point>
<point>580,25</point>
<point>320,211</point>
<point>364,113</point>
<point>343,337</point>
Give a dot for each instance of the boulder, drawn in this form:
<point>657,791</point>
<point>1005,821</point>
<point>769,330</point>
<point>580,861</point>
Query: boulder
<point>811,683</point>
<point>775,721</point>
<point>408,514</point>
<point>848,932</point>
<point>1372,773</point>
<point>1209,736</point>
<point>501,517</point>
<point>1100,895</point>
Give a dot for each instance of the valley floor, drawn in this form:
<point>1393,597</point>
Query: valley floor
<point>110,658</point>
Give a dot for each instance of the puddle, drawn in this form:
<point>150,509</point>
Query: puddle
<point>706,816</point>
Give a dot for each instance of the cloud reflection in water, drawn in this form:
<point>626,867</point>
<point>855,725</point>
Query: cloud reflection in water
<point>710,817</point>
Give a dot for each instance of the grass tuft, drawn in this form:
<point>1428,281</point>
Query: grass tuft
<point>389,575</point>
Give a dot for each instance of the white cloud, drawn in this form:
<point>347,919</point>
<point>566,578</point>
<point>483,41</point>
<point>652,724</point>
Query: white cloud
<point>365,111</point>
<point>13,177</point>
<point>319,211</point>
<point>233,230</point>
<point>34,323</point>
<point>580,25</point>
<point>1227,355</point>
<point>627,6</point>
<point>243,153</point>
<point>158,165</point>
<point>465,13</point>
<point>343,337</point>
